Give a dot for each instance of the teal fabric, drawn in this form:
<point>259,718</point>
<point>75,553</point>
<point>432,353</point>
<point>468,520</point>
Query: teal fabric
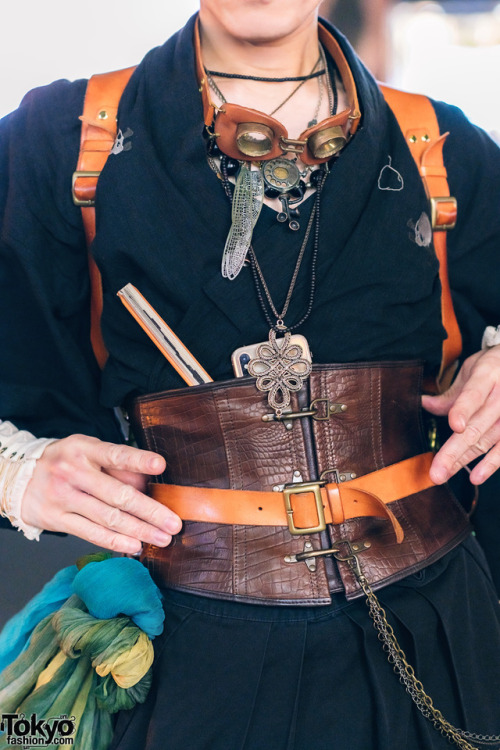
<point>114,602</point>
<point>128,590</point>
<point>20,677</point>
<point>17,631</point>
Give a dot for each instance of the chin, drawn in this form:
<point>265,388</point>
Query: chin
<point>260,21</point>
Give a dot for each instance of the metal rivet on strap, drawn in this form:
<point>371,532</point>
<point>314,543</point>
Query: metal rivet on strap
<point>103,115</point>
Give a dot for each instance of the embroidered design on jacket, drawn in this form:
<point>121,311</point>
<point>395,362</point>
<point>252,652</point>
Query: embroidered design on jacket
<point>390,179</point>
<point>421,232</point>
<point>119,145</point>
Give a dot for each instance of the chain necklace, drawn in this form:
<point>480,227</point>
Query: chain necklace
<point>331,87</point>
<point>260,282</point>
<point>279,367</point>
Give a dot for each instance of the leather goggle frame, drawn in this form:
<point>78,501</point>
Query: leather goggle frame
<point>225,123</point>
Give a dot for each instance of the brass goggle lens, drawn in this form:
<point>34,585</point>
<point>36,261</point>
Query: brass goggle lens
<point>326,143</point>
<point>254,139</point>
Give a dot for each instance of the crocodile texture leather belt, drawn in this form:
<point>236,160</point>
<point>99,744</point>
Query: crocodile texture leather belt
<point>264,500</point>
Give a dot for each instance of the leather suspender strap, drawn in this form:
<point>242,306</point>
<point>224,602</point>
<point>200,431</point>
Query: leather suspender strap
<point>98,136</point>
<point>304,507</point>
<point>418,122</point>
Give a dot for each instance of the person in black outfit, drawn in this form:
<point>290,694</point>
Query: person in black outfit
<point>236,670</point>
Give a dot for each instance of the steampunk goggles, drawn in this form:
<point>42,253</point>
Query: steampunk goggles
<point>248,134</point>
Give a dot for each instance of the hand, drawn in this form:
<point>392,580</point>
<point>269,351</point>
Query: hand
<point>473,407</point>
<point>94,490</point>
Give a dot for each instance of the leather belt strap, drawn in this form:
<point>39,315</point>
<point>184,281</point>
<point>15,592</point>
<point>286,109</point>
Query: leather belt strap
<point>98,135</point>
<point>419,124</point>
<point>301,505</point>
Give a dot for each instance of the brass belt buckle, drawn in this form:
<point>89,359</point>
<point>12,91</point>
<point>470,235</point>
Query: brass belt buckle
<point>76,176</point>
<point>436,202</point>
<point>303,488</point>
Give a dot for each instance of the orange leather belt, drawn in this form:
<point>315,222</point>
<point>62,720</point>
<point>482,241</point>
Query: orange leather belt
<point>305,507</point>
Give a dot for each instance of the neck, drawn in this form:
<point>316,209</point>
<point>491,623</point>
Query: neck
<point>275,55</point>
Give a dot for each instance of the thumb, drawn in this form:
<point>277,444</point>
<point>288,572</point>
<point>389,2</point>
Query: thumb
<point>440,405</point>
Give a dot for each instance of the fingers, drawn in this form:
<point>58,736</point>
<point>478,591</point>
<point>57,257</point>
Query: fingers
<point>460,401</point>
<point>110,527</point>
<point>96,534</point>
<point>485,468</point>
<point>473,408</point>
<point>122,457</point>
<point>122,500</point>
<point>474,432</point>
<point>70,521</point>
<point>139,481</point>
<point>72,491</point>
<point>479,385</point>
<point>438,405</point>
<point>460,449</point>
<point>478,376</point>
<point>476,409</point>
<point>441,405</point>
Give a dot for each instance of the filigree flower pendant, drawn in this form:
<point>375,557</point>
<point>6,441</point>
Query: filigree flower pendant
<point>279,369</point>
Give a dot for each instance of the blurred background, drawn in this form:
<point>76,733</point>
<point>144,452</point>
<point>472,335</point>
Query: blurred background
<point>449,50</point>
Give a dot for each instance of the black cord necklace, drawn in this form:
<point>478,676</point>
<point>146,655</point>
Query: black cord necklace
<point>302,80</point>
<point>240,76</point>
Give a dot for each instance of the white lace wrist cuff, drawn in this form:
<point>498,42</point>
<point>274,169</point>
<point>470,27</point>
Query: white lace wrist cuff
<point>491,337</point>
<point>19,451</point>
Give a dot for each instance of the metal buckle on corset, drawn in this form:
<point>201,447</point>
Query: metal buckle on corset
<point>338,475</point>
<point>309,555</point>
<point>318,414</point>
<point>304,488</point>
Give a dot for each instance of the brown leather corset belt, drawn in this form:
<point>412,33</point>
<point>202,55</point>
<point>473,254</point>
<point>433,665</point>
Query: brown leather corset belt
<point>261,497</point>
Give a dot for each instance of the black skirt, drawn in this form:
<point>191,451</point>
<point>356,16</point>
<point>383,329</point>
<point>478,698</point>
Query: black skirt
<point>232,676</point>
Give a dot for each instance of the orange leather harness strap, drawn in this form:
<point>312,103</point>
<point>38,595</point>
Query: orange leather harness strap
<point>419,125</point>
<point>98,136</point>
<point>303,507</point>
